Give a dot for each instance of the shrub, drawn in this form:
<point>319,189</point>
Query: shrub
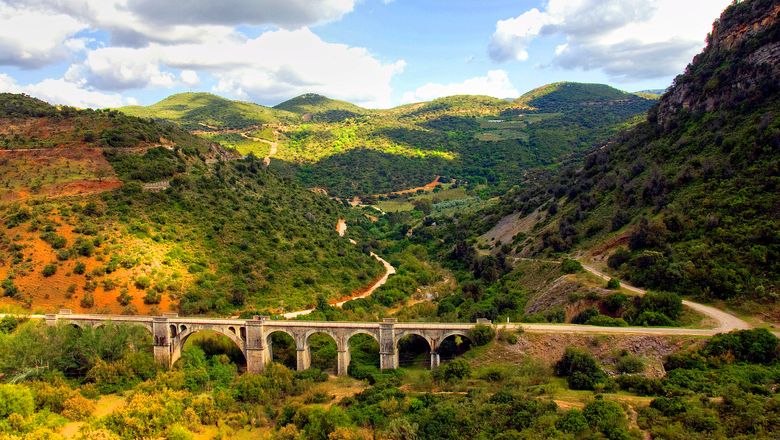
<point>669,406</point>
<point>49,270</point>
<point>452,371</point>
<point>78,407</point>
<point>482,334</point>
<point>615,302</point>
<point>570,266</point>
<point>124,297</point>
<point>618,258</point>
<point>585,315</point>
<point>613,284</point>
<point>606,321</point>
<point>607,417</point>
<point>667,303</point>
<point>152,297</point>
<point>9,288</point>
<point>88,300</point>
<point>755,346</point>
<point>580,368</point>
<point>143,282</point>
<point>630,364</point>
<point>572,422</point>
<point>15,399</point>
<point>79,268</point>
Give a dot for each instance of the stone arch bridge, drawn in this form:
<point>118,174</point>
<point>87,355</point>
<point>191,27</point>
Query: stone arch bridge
<point>253,336</point>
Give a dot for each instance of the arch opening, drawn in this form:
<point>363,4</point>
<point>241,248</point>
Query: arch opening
<point>281,348</point>
<point>453,346</point>
<point>414,352</point>
<point>363,355</point>
<point>209,348</point>
<point>323,352</point>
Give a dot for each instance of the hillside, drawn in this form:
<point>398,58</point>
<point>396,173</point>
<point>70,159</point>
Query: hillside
<point>314,107</point>
<point>110,213</point>
<point>687,200</point>
<point>474,139</point>
<point>204,111</point>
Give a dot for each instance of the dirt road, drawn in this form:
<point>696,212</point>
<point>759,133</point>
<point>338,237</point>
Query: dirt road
<point>726,321</point>
<point>389,270</point>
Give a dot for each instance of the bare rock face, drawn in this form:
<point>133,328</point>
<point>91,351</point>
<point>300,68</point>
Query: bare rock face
<point>742,59</point>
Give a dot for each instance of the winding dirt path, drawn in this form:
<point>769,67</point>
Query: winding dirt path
<point>341,228</point>
<point>274,145</point>
<point>389,270</point>
<point>726,321</point>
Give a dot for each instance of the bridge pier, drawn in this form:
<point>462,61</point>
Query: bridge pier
<point>258,349</point>
<point>388,351</point>
<point>343,362</point>
<point>303,358</point>
<point>162,345</point>
<point>435,360</point>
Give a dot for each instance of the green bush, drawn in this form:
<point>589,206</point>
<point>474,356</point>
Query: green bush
<point>608,418</point>
<point>613,284</point>
<point>630,364</point>
<point>15,399</point>
<point>88,300</point>
<point>606,321</point>
<point>49,270</point>
<point>580,368</point>
<point>452,371</point>
<point>482,334</point>
<point>569,266</point>
<point>79,268</point>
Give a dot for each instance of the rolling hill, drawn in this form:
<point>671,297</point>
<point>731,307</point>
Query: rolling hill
<point>204,111</point>
<point>314,107</point>
<point>105,212</point>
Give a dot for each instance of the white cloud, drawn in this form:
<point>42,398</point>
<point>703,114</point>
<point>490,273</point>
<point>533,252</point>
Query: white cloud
<point>122,68</point>
<point>287,13</point>
<point>496,83</point>
<point>189,77</point>
<point>8,84</point>
<point>31,39</point>
<point>61,91</point>
<point>272,67</point>
<point>627,39</point>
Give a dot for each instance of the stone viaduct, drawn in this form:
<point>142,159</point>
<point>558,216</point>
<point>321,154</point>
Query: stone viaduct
<point>253,336</point>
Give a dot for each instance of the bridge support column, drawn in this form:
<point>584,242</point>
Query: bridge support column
<point>162,345</point>
<point>343,361</point>
<point>435,360</point>
<point>258,351</point>
<point>303,359</point>
<point>388,352</point>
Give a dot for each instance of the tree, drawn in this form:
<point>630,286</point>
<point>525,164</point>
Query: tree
<point>482,334</point>
<point>15,399</point>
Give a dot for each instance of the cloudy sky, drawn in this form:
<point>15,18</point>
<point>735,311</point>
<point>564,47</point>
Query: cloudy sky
<point>376,53</point>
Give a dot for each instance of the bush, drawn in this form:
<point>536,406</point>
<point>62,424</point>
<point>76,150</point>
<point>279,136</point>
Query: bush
<point>617,259</point>
<point>613,284</point>
<point>669,406</point>
<point>630,364</point>
<point>49,270</point>
<point>615,302</point>
<point>585,315</point>
<point>667,303</point>
<point>78,407</point>
<point>152,297</point>
<point>580,368</point>
<point>755,346</point>
<point>452,371</point>
<point>606,321</point>
<point>79,268</point>
<point>570,266</point>
<point>15,399</point>
<point>572,422</point>
<point>88,300</point>
<point>482,334</point>
<point>607,417</point>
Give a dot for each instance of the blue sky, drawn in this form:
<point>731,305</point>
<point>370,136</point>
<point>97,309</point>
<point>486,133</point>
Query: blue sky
<point>372,52</point>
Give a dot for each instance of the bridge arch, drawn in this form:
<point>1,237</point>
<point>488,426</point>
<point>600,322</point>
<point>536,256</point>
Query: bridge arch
<point>178,341</point>
<point>281,347</point>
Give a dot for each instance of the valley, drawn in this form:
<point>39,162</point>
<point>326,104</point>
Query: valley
<point>573,262</point>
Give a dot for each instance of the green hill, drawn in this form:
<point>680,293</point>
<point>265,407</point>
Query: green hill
<point>204,111</point>
<point>103,212</point>
<point>687,200</point>
<point>565,96</point>
<point>321,108</point>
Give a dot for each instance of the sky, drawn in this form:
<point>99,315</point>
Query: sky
<point>374,53</point>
